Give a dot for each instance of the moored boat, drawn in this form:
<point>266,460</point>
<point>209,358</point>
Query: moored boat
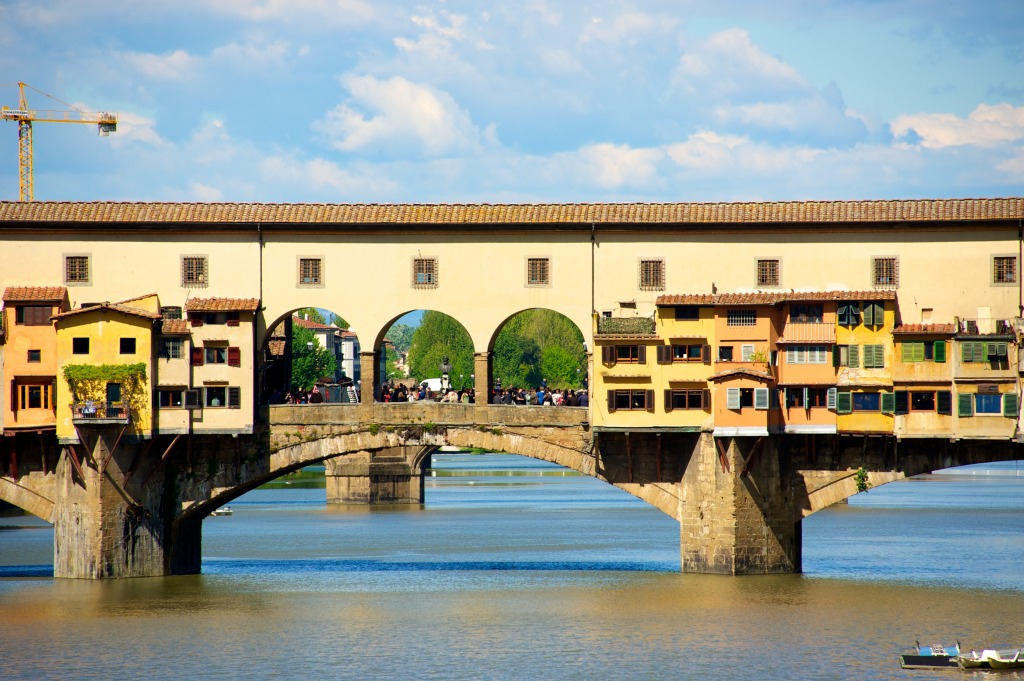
<point>930,657</point>
<point>223,510</point>
<point>990,658</point>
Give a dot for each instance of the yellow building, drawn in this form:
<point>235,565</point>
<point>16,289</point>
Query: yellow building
<point>623,385</point>
<point>30,356</point>
<point>985,376</point>
<point>864,360</point>
<point>686,327</point>
<point>105,366</point>
<point>923,381</point>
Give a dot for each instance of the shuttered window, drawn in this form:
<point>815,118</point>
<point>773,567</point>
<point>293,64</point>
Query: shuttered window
<point>874,356</point>
<point>965,404</point>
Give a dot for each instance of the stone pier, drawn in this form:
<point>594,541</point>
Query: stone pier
<point>382,476</point>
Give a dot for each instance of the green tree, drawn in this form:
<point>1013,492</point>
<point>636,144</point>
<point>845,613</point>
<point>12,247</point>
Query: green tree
<point>312,314</point>
<point>516,360</point>
<point>559,367</point>
<point>536,344</point>
<point>309,366</point>
<point>439,336</point>
<point>401,336</point>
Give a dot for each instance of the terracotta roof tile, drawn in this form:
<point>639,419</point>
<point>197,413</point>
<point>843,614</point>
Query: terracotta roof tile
<point>888,212</point>
<point>933,329</point>
<point>124,309</point>
<point>222,304</point>
<point>35,294</point>
<point>312,325</point>
<point>176,327</point>
<point>741,371</point>
<point>771,297</point>
<point>687,299</point>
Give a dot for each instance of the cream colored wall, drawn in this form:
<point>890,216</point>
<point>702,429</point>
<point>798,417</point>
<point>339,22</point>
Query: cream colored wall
<point>225,419</point>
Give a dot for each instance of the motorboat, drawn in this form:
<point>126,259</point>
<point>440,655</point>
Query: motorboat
<point>223,510</point>
<point>933,656</point>
<point>990,658</point>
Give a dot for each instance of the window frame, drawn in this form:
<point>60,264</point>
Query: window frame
<point>128,342</point>
<point>994,270</point>
<point>425,271</point>
<point>34,356</point>
<point>79,280</point>
<point>191,277</point>
<point>651,274</point>
<point>768,272</point>
<point>80,345</point>
<point>885,272</point>
<point>310,262</point>
<point>629,397</point>
<point>741,317</point>
<point>538,271</point>
<point>681,399</point>
<point>170,393</point>
<point>167,343</point>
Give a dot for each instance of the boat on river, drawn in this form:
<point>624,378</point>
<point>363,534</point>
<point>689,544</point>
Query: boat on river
<point>990,658</point>
<point>935,656</point>
<point>223,510</point>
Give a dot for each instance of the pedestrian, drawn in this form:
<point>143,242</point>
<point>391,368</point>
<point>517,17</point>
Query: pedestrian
<point>315,397</point>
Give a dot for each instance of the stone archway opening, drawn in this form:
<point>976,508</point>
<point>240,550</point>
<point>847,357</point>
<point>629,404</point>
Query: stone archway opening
<point>309,354</point>
<point>425,354</point>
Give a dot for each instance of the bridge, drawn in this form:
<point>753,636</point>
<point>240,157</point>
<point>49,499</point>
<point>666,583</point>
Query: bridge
<point>127,498</point>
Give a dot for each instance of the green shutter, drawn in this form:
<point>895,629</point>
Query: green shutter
<point>843,315</point>
<point>965,404</point>
<point>939,352</point>
<point>944,402</point>
<point>835,356</point>
<point>1010,405</point>
<point>844,403</point>
<point>888,403</point>
<point>907,352</point>
<point>966,352</point>
<point>868,317</point>
<point>902,403</point>
<point>918,352</point>
<point>854,356</point>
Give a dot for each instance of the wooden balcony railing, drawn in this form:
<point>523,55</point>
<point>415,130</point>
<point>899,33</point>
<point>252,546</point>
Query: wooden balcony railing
<point>100,411</point>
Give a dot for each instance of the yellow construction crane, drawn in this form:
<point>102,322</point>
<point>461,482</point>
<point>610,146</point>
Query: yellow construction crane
<point>25,116</point>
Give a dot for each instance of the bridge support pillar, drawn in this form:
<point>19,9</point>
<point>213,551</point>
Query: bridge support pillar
<point>482,380</point>
<point>381,476</point>
<point>104,527</point>
<point>736,518</point>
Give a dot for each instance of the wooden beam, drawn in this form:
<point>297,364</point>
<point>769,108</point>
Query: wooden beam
<point>110,454</point>
<point>139,456</point>
<point>657,460</point>
<point>161,461</point>
<point>723,458</point>
<point>755,452</point>
<point>70,449</point>
<point>629,461</point>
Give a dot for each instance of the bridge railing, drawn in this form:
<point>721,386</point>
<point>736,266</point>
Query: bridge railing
<point>439,413</point>
<point>92,411</point>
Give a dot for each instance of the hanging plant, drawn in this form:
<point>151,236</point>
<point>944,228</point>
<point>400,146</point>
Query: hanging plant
<point>89,382</point>
<point>861,476</point>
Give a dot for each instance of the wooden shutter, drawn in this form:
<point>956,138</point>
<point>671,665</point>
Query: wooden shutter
<point>668,399</point>
<point>853,358</point>
<point>939,352</point>
<point>232,319</point>
<point>732,398</point>
<point>195,319</point>
<point>664,354</point>
<point>844,403</point>
<point>1010,405</point>
<point>649,400</point>
<point>966,352</point>
<point>761,398</point>
<point>707,354</point>
<point>608,354</point>
<point>641,354</point>
<point>198,355</point>
<point>234,397</point>
<point>965,404</point>
<point>907,351</point>
<point>830,399</point>
<point>869,317</point>
<point>234,357</point>
<point>843,314</point>
<point>705,399</point>
<point>835,356</point>
<point>902,402</point>
<point>192,400</point>
<point>944,402</point>
<point>611,400</point>
<point>888,403</point>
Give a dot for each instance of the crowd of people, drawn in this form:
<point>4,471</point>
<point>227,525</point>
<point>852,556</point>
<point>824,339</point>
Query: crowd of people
<point>542,396</point>
<point>390,392</point>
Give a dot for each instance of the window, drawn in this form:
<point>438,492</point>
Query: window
<point>33,315</point>
<point>194,272</point>
<point>80,346</point>
<point>739,398</point>
<point>768,272</point>
<point>724,353</point>
<point>35,356</point>
<point>127,346</point>
<point>687,399</point>
<point>1004,269</point>
<point>803,313</point>
<point>172,348</point>
<point>885,272</point>
<point>215,354</point>
<point>625,400</point>
<point>170,312</point>
<point>922,401</point>
<point>988,403</point>
<point>687,353</point>
<point>923,351</point>
<point>747,352</point>
<point>687,313</point>
<point>215,396</point>
<point>867,401</point>
<point>848,314</point>
<point>807,398</point>
<point>538,272</point>
<point>873,314</point>
<point>741,317</point>
<point>652,274</point>
<point>424,273</point>
<point>806,354</point>
<point>846,356</point>
<point>171,397</point>
<point>874,356</point>
<point>977,351</point>
<point>629,354</point>
<point>33,396</point>
<point>311,272</point>
<point>76,269</point>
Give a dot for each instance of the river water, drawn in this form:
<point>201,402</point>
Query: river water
<point>515,569</point>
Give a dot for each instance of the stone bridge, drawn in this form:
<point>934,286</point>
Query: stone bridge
<point>135,509</point>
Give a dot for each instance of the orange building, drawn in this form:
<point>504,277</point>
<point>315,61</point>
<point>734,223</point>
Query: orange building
<point>922,379</point>
<point>806,371</point>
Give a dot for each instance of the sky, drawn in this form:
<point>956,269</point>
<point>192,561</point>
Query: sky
<point>369,101</point>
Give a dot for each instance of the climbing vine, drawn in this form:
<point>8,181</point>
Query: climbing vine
<point>862,480</point>
<point>89,382</point>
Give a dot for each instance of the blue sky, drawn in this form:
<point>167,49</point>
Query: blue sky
<point>534,101</point>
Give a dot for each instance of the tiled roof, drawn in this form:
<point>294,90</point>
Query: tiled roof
<point>35,294</point>
<point>124,309</point>
<point>887,212</point>
<point>222,304</point>
<point>936,329</point>
<point>771,297</point>
<point>175,327</point>
<point>741,371</point>
<point>312,325</point>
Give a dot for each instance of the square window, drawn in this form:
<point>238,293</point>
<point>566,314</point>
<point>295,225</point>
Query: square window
<point>769,272</point>
<point>724,353</point>
<point>216,396</point>
<point>988,403</point>
<point>538,272</point>
<point>922,401</point>
<point>171,397</point>
<point>80,346</point>
<point>867,401</point>
<point>216,355</point>
<point>194,271</point>
<point>310,272</point>
<point>1004,269</point>
<point>35,356</point>
<point>885,272</point>
<point>652,274</point>
<point>76,269</point>
<point>741,318</point>
<point>127,346</point>
<point>687,312</point>
<point>424,273</point>
<point>172,348</point>
<point>170,312</point>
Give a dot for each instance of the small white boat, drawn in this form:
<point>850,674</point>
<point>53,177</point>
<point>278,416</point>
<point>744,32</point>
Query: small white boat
<point>992,659</point>
<point>223,510</point>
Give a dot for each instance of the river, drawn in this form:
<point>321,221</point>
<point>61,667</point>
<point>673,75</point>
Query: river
<point>515,569</point>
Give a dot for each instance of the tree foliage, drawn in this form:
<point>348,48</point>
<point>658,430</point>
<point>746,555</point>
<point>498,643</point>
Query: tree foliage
<point>401,336</point>
<point>309,366</point>
<point>539,344</point>
<point>439,336</point>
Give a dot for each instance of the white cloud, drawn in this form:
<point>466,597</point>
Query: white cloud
<point>625,28</point>
<point>613,166</point>
<point>314,12</point>
<point>135,128</point>
<point>986,126</point>
<point>321,174</point>
<point>399,115</point>
<point>174,66</point>
<point>728,64</point>
<point>204,192</point>
<point>252,56</point>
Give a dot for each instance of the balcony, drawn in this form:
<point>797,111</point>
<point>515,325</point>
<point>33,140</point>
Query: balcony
<point>99,413</point>
<point>625,326</point>
<point>984,327</point>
